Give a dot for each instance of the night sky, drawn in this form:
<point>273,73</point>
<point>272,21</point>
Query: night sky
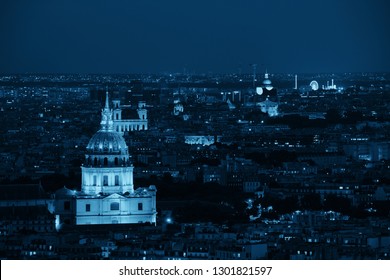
<point>196,36</point>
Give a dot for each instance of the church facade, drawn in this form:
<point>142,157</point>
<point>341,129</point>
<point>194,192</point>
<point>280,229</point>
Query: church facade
<point>124,125</point>
<point>107,193</point>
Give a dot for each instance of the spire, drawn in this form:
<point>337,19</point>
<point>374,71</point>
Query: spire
<point>107,107</point>
<point>107,123</point>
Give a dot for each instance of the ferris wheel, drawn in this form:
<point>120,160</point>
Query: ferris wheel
<point>314,85</point>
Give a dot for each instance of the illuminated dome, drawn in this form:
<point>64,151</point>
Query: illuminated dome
<point>107,147</point>
<point>107,142</point>
<point>267,82</point>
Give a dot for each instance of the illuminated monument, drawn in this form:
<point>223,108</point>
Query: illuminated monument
<point>267,98</point>
<point>107,193</point>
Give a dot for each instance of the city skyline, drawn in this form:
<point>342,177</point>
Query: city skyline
<point>194,37</point>
<point>194,130</point>
<point>280,172</point>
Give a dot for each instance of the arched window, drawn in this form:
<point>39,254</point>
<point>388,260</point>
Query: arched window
<point>95,161</point>
<point>114,206</point>
<point>105,161</point>
<point>116,161</point>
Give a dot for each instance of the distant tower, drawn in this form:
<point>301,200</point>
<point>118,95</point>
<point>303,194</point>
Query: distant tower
<point>254,73</point>
<point>296,82</point>
<point>117,110</point>
<point>142,111</point>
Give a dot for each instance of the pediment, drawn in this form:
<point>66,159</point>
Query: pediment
<point>114,196</point>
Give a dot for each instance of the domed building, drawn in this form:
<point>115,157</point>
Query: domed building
<point>178,108</point>
<point>107,168</point>
<point>269,92</point>
<point>107,193</point>
<point>267,98</point>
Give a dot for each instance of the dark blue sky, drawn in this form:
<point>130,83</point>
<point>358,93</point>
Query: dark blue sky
<point>219,36</point>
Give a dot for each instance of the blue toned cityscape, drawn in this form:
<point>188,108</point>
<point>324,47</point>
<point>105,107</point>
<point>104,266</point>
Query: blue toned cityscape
<point>195,167</point>
<point>207,130</point>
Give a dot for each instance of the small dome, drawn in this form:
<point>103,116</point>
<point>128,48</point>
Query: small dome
<point>64,192</point>
<point>107,142</point>
<point>267,82</point>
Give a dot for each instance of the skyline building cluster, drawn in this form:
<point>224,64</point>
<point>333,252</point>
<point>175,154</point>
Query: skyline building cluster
<point>265,172</point>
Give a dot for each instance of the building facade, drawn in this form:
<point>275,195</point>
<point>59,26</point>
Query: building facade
<point>122,125</point>
<point>107,193</point>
